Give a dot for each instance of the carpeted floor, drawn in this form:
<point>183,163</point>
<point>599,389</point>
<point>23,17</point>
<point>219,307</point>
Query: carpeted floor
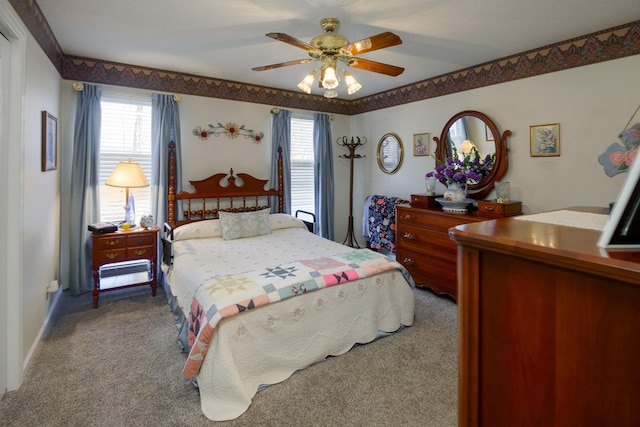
<point>119,365</point>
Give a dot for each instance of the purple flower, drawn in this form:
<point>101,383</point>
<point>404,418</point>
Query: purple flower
<point>469,169</point>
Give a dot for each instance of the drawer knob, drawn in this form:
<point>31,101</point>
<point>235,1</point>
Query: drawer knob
<point>139,240</point>
<point>408,261</point>
<point>489,208</point>
<point>112,242</point>
<point>140,252</point>
<point>112,256</point>
<point>409,236</point>
<point>409,216</point>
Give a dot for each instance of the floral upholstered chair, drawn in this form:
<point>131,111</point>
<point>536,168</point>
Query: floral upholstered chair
<point>379,222</point>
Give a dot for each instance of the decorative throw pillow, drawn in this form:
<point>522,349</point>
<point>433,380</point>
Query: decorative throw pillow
<point>237,225</point>
<point>279,221</point>
<point>198,230</point>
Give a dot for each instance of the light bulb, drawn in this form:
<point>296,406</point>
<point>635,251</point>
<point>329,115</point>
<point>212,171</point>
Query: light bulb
<point>330,80</point>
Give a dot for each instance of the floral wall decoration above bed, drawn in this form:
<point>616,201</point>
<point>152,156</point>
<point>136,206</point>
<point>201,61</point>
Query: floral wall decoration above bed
<point>231,130</point>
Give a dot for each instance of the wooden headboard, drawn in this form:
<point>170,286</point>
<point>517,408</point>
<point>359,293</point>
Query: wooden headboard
<point>211,197</point>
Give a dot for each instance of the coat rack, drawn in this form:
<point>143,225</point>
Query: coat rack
<point>352,145</point>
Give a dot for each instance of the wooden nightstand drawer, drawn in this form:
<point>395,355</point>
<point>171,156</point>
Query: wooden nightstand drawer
<point>141,239</point>
<point>110,242</point>
<point>493,209</point>
<point>140,252</point>
<point>110,255</point>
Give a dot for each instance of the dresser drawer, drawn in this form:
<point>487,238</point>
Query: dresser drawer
<point>493,209</point>
<point>145,239</point>
<point>110,242</point>
<point>140,252</point>
<point>430,242</point>
<point>109,256</point>
<point>436,274</point>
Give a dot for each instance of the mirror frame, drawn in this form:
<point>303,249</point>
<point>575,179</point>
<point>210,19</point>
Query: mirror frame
<point>400,154</point>
<point>501,164</point>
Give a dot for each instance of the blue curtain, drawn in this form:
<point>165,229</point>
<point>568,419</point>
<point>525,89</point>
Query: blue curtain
<point>165,127</point>
<point>83,208</point>
<point>281,137</point>
<point>323,175</point>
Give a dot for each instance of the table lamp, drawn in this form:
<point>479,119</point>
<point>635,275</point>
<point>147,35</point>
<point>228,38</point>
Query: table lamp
<point>128,175</point>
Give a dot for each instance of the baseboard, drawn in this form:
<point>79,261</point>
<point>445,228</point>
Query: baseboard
<point>55,299</point>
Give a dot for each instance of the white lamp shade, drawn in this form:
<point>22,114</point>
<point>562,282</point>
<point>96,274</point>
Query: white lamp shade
<point>466,147</point>
<point>330,80</point>
<point>127,175</point>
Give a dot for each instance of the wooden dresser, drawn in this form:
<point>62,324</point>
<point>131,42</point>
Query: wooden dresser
<point>123,246</point>
<point>549,327</point>
<point>423,245</point>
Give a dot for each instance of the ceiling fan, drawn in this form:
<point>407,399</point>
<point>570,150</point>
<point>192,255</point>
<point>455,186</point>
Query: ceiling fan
<point>331,48</point>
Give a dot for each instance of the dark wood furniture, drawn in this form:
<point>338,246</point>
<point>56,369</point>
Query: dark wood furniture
<point>549,327</point>
<point>424,248</point>
<point>124,246</point>
<point>423,245</point>
<point>219,192</point>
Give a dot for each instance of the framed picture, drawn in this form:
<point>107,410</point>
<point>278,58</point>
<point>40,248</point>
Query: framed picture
<point>545,140</point>
<point>488,134</point>
<point>49,142</point>
<point>420,144</point>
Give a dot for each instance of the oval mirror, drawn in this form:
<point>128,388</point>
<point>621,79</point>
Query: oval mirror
<point>474,133</point>
<point>390,153</point>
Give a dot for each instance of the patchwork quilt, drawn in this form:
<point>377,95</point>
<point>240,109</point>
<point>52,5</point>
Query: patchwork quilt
<point>224,296</point>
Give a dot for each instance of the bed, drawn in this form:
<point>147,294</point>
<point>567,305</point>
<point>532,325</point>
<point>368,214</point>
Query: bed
<point>257,296</point>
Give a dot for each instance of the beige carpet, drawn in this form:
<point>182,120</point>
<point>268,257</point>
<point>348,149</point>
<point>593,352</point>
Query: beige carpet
<point>119,365</point>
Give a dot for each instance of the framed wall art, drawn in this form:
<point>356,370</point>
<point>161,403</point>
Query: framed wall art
<point>545,140</point>
<point>49,142</point>
<point>488,134</point>
<point>420,144</point>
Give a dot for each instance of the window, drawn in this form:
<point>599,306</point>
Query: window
<point>125,133</point>
<point>302,164</point>
<point>458,133</point>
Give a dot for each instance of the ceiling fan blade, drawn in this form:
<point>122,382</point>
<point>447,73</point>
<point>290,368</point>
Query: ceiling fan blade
<point>282,64</point>
<point>292,41</point>
<point>372,43</point>
<point>377,67</point>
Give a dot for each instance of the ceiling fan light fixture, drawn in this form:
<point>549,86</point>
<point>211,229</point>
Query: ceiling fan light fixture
<point>330,93</point>
<point>352,84</point>
<point>305,84</point>
<point>330,80</point>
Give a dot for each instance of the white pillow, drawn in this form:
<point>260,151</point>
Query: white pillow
<point>198,230</point>
<point>236,225</point>
<point>279,221</point>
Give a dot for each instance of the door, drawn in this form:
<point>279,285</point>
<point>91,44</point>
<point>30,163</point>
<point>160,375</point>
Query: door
<point>4,142</point>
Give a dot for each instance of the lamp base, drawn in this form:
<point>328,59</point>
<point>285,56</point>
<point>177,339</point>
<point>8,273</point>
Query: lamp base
<point>130,211</point>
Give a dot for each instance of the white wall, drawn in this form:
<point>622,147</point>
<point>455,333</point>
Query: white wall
<point>218,154</point>
<point>592,104</point>
<point>41,195</point>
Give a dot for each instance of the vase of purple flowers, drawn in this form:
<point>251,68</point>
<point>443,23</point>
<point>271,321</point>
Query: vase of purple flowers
<point>456,172</point>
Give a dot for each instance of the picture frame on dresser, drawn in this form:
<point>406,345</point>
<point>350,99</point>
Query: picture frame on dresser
<point>622,230</point>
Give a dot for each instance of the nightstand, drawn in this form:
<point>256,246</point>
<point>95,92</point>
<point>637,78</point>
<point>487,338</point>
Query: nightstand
<point>120,247</point>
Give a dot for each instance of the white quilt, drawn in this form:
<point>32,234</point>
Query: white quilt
<point>267,344</point>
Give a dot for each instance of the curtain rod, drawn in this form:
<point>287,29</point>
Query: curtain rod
<point>276,110</point>
<point>79,86</point>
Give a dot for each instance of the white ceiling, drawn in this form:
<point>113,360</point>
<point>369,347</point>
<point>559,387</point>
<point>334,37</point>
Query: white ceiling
<point>225,39</point>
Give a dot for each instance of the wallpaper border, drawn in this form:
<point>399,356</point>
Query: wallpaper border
<point>605,45</point>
